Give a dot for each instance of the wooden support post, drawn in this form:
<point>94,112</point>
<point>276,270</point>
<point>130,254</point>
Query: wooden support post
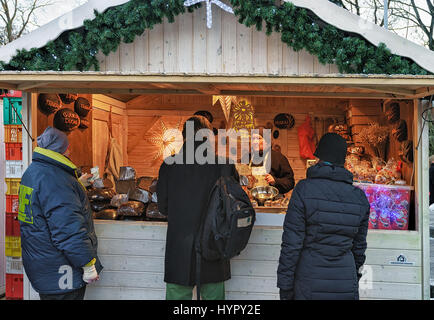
<point>422,191</point>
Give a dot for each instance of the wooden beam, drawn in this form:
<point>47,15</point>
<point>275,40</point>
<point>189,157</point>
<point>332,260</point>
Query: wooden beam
<point>189,89</point>
<point>424,92</point>
<point>300,94</point>
<point>392,90</point>
<point>163,85</point>
<point>114,91</point>
<point>6,85</point>
<point>75,82</point>
<point>208,89</point>
<point>31,85</point>
<point>122,78</point>
<point>293,94</point>
<point>204,88</point>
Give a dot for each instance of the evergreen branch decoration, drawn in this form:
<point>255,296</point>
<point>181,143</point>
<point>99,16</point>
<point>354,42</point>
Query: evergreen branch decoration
<point>299,29</point>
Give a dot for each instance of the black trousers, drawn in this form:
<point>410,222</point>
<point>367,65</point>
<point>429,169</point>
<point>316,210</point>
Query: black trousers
<point>73,295</point>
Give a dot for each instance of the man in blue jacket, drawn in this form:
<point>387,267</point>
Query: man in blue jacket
<point>58,240</point>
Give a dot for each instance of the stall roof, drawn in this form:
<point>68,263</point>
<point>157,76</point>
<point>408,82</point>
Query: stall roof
<point>324,9</point>
<point>309,85</point>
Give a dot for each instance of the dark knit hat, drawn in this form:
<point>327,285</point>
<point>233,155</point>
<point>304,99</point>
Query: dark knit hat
<point>332,148</point>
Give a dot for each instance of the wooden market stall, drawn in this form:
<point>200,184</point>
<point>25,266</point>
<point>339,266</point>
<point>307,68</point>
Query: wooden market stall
<point>174,70</point>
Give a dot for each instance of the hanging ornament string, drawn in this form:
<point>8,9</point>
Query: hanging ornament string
<point>223,6</point>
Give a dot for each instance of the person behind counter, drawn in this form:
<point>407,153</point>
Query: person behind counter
<point>58,240</point>
<point>324,231</point>
<point>183,191</point>
<point>280,174</point>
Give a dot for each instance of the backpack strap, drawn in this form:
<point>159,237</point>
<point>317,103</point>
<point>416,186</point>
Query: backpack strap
<point>197,245</point>
<point>226,171</point>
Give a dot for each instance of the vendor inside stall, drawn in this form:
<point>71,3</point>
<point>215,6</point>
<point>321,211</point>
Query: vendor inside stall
<point>273,167</point>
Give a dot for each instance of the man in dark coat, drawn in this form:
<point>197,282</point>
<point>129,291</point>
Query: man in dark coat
<point>325,228</point>
<point>280,174</point>
<point>58,240</point>
<point>183,191</point>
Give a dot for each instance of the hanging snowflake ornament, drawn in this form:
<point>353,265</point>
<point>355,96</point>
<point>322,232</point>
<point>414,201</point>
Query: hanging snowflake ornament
<point>223,6</point>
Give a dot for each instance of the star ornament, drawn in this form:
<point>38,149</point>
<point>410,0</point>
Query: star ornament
<point>218,3</point>
<point>166,141</point>
<point>226,103</point>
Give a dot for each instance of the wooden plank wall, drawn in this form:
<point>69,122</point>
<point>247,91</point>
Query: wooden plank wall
<point>174,110</point>
<point>187,45</point>
<point>102,105</point>
<point>133,257</point>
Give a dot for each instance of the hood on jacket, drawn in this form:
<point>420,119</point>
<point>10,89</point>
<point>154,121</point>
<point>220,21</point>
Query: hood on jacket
<point>54,158</point>
<point>329,171</point>
<point>54,140</point>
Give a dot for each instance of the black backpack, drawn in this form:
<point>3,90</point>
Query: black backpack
<point>226,225</point>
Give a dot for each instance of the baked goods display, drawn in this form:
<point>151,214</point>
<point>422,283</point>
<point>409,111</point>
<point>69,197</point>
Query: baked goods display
<point>375,170</point>
<point>137,201</point>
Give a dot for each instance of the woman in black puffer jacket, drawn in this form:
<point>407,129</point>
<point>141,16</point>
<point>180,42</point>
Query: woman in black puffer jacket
<point>325,228</point>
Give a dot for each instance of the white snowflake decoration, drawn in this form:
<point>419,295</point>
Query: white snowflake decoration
<point>223,6</point>
<point>165,140</point>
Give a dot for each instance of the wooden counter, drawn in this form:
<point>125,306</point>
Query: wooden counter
<point>133,256</point>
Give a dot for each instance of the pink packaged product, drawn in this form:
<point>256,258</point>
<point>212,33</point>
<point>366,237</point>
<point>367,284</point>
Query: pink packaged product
<point>390,205</point>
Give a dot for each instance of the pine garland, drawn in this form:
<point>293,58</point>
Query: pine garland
<point>299,29</point>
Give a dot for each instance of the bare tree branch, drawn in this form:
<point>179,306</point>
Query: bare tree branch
<point>416,11</point>
<point>26,16</point>
<point>16,17</point>
<point>403,15</point>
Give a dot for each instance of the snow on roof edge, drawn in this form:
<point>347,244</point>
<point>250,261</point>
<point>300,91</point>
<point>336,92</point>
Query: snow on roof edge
<point>347,21</point>
<point>52,30</point>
